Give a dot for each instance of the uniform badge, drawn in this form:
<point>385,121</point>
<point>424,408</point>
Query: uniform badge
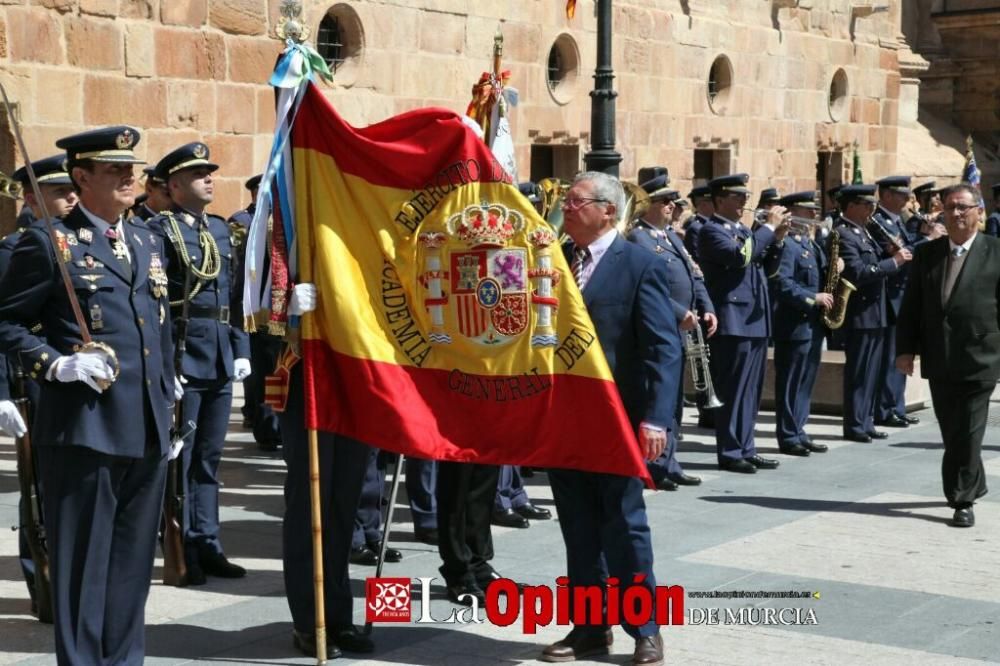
<point>71,238</point>
<point>138,240</point>
<point>157,276</point>
<point>63,246</point>
<point>163,314</point>
<point>200,151</point>
<point>659,249</point>
<point>96,317</point>
<point>728,226</point>
<point>86,236</point>
<point>124,140</point>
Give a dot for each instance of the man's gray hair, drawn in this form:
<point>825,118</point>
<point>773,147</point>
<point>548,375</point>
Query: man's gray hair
<point>961,187</point>
<point>606,187</point>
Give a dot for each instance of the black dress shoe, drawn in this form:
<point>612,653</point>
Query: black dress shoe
<point>461,593</point>
<point>349,639</point>
<point>429,536</point>
<point>216,564</point>
<point>963,517</point>
<point>912,420</point>
<point>195,575</point>
<point>816,448</point>
<point>683,479</point>
<point>894,421</point>
<point>741,466</point>
<point>269,445</point>
<point>305,643</point>
<point>527,472</point>
<point>854,437</point>
<point>666,484</point>
<point>580,643</point>
<point>794,449</point>
<point>762,463</point>
<point>878,434</point>
<point>363,555</point>
<point>391,554</point>
<point>648,651</point>
<point>532,512</point>
<point>509,519</point>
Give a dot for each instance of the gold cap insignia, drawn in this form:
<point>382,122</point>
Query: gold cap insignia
<point>124,140</point>
<point>200,151</point>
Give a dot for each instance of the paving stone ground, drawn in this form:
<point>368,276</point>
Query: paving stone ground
<point>864,526</point>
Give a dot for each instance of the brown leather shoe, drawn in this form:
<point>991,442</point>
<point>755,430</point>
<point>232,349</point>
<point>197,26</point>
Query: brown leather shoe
<point>579,643</point>
<point>648,651</point>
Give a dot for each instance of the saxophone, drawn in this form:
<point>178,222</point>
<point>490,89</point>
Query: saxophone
<point>836,285</point>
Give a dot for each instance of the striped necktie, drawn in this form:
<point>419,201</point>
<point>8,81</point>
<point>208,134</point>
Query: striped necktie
<point>580,255</point>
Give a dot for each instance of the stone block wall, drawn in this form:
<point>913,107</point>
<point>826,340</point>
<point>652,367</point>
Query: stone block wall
<point>195,69</point>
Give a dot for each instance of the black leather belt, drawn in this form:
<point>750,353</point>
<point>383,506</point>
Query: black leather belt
<point>204,312</point>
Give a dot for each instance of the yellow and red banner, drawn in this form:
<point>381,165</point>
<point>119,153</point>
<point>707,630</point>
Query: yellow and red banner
<point>448,324</point>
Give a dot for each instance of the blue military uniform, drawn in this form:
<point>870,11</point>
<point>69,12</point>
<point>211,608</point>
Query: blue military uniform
<point>214,340</point>
<point>797,331</point>
<point>687,294</point>
<point>867,267</point>
<point>993,221</point>
<point>102,456</point>
<point>693,226</point>
<point>890,405</point>
<point>141,209</point>
<point>733,259</point>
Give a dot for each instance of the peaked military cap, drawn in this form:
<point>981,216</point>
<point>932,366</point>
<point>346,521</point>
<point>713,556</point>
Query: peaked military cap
<point>108,144</point>
<point>768,195</point>
<point>649,173</point>
<point>834,192</point>
<point>253,182</point>
<point>150,172</point>
<point>657,189</point>
<point>188,156</point>
<point>530,191</point>
<point>900,184</point>
<point>735,183</point>
<point>864,193</point>
<point>682,203</point>
<point>700,191</point>
<point>926,188</point>
<point>801,199</point>
<point>48,171</point>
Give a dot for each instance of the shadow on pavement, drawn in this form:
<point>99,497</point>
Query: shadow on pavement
<point>890,509</point>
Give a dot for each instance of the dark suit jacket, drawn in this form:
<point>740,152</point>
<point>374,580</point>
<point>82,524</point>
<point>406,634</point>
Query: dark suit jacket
<point>629,302</point>
<point>960,340</point>
<point>120,310</point>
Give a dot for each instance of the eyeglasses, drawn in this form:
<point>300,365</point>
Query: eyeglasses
<point>579,202</point>
<point>961,209</point>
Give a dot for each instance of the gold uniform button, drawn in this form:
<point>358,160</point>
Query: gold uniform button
<point>145,351</point>
<point>148,382</point>
<point>142,322</point>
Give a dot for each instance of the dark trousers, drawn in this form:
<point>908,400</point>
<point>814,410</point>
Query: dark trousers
<point>510,489</point>
<point>264,352</point>
<point>666,463</point>
<point>101,518</point>
<point>421,481</point>
<point>738,366</point>
<point>863,351</point>
<point>207,403</point>
<point>342,468</point>
<point>604,527</point>
<point>368,519</point>
<point>465,493</point>
<point>892,390</point>
<point>796,364</point>
<point>24,556</point>
<point>961,409</point>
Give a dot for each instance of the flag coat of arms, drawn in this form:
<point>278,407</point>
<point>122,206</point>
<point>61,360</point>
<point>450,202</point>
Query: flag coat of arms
<point>448,324</point>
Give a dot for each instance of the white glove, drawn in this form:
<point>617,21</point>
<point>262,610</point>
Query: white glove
<point>241,369</point>
<point>303,299</point>
<point>11,422</point>
<point>86,367</point>
<point>178,388</point>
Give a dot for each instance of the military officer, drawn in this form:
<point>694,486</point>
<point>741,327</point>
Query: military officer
<point>245,217</point>
<point>890,406</point>
<point>768,198</point>
<point>689,301</point>
<point>868,267</point>
<point>58,198</point>
<point>102,424</point>
<point>733,260</point>
<point>155,199</point>
<point>993,221</point>
<point>701,200</point>
<point>798,301</point>
<point>199,265</point>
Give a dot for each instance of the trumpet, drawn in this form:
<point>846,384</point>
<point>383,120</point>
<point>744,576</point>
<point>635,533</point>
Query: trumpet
<point>803,226</point>
<point>9,187</point>
<point>698,354</point>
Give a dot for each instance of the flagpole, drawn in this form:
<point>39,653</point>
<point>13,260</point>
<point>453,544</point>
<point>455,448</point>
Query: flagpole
<point>387,525</point>
<point>317,544</point>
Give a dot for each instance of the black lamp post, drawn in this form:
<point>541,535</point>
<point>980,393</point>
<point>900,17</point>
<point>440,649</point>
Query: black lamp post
<point>603,156</point>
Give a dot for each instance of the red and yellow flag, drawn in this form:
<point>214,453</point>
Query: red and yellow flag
<point>448,324</point>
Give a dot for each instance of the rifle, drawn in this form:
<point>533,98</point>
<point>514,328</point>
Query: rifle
<point>174,565</point>
<point>30,509</point>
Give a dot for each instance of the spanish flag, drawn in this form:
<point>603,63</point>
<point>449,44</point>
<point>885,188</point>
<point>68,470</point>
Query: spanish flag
<point>448,323</point>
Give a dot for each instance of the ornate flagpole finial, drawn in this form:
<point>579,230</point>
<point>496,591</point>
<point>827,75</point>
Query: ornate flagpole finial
<point>291,25</point>
<point>968,144</point>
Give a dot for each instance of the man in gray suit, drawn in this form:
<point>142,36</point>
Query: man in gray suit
<point>950,317</point>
